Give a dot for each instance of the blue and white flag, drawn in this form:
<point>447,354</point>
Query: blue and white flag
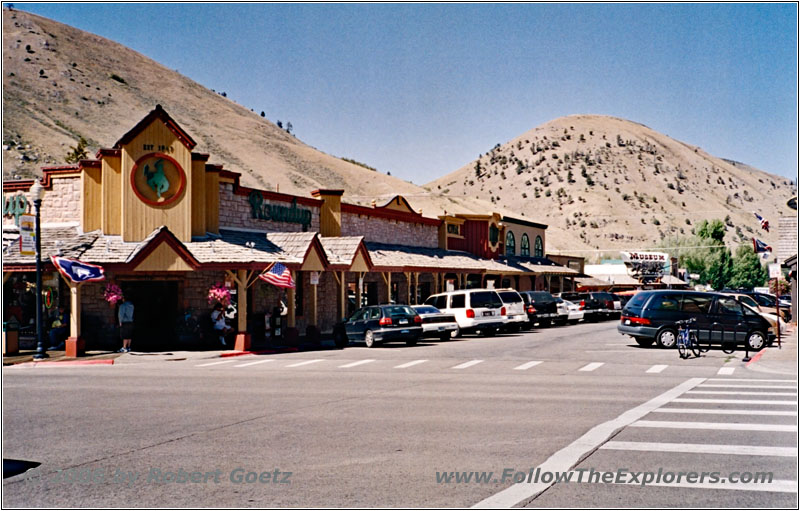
<point>764,221</point>
<point>77,271</point>
<point>759,246</point>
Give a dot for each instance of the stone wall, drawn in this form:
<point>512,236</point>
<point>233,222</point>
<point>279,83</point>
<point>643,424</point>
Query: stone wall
<point>235,211</point>
<point>60,204</point>
<point>384,230</point>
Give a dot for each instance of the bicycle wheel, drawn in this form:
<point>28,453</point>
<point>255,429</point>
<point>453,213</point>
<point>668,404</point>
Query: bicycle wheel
<point>693,344</point>
<point>681,346</point>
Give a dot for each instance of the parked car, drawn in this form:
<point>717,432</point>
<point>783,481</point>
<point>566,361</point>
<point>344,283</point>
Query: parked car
<point>380,323</point>
<point>516,317</point>
<point>651,315</point>
<point>563,311</point>
<point>596,305</point>
<point>541,307</point>
<point>768,301</point>
<point>476,310</point>
<point>575,313</point>
<point>436,323</point>
<point>766,313</point>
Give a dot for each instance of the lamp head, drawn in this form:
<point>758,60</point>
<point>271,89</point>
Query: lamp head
<point>37,190</point>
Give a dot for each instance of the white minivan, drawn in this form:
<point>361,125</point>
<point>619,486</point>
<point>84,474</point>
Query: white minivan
<point>474,309</point>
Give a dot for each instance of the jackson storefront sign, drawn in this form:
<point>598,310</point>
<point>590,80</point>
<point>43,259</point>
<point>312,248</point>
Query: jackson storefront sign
<point>157,179</point>
<point>276,213</point>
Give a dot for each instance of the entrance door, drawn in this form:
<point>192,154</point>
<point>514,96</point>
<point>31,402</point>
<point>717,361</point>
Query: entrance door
<point>155,305</point>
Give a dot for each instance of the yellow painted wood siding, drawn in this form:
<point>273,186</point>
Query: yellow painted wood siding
<point>212,202</point>
<point>112,195</point>
<point>140,219</point>
<point>163,258</point>
<point>91,199</point>
<point>198,179</point>
<point>330,216</point>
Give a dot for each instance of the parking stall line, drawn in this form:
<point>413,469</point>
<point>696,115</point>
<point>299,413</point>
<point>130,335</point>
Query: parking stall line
<point>358,363</point>
<point>711,411</point>
<point>741,393</point>
<point>214,363</point>
<point>410,364</point>
<point>734,401</point>
<point>467,364</point>
<point>736,386</point>
<point>304,363</point>
<point>728,426</point>
<point>743,450</point>
<point>592,366</point>
<point>528,365</point>
<point>725,370</point>
<point>749,379</point>
<point>657,368</point>
<point>255,362</point>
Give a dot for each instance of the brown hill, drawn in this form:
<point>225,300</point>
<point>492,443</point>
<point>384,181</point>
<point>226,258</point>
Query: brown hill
<point>60,83</point>
<point>603,182</point>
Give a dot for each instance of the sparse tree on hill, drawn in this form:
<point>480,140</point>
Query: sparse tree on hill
<point>289,127</point>
<point>280,124</point>
<point>78,152</point>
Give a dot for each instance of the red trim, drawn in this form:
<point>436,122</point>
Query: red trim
<point>91,163</point>
<point>46,180</point>
<point>391,214</point>
<point>164,117</point>
<point>199,157</point>
<point>211,167</point>
<point>172,199</point>
<point>317,193</point>
<point>106,151</point>
<point>13,186</point>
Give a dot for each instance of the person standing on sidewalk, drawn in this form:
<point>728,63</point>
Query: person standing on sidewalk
<point>125,317</point>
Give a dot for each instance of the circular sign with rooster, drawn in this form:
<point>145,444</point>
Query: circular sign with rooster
<point>157,179</point>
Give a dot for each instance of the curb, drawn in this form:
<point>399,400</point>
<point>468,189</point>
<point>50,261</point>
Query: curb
<point>68,363</point>
<point>755,358</point>
<point>259,352</point>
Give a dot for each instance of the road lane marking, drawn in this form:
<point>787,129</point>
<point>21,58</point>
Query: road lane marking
<point>358,363</point>
<point>592,366</point>
<point>776,485</point>
<point>566,458</point>
<point>256,362</point>
<point>728,426</point>
<point>528,365</point>
<point>305,363</point>
<point>749,379</point>
<point>725,370</point>
<point>735,386</point>
<point>467,364</point>
<point>409,364</point>
<point>657,368</point>
<point>214,363</point>
<point>741,393</point>
<point>711,411</point>
<point>734,401</point>
<point>744,450</point>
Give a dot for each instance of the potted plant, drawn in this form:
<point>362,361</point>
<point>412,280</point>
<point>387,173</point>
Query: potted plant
<point>113,294</point>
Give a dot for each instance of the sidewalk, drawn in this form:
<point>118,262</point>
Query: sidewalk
<point>25,356</point>
<point>777,360</point>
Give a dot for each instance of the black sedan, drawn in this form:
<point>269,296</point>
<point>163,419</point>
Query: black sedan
<point>379,323</point>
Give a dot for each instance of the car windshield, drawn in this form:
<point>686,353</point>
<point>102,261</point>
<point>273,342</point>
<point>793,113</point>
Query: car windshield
<point>399,310</point>
<point>510,296</point>
<point>638,300</point>
<point>427,310</point>
<point>541,296</point>
<point>485,299</point>
<point>765,300</point>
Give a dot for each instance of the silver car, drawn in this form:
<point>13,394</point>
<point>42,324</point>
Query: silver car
<point>436,323</point>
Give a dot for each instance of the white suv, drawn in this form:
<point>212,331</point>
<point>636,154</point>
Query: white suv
<point>516,316</point>
<point>475,309</point>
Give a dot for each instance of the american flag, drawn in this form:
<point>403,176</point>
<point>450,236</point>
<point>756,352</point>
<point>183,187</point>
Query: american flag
<point>764,221</point>
<point>278,275</point>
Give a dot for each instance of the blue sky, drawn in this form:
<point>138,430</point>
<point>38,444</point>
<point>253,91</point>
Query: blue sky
<point>419,90</point>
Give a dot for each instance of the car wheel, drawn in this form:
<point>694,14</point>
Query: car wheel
<point>755,341</point>
<point>561,322</point>
<point>644,342</point>
<point>340,339</point>
<point>455,333</point>
<point>667,338</point>
<point>445,336</point>
<point>544,323</point>
<point>369,339</point>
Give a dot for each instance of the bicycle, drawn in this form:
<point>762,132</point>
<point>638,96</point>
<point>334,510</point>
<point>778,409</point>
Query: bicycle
<point>687,339</point>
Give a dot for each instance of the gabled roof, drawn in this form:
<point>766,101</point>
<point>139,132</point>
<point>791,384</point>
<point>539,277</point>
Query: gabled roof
<point>157,114</point>
<point>341,251</point>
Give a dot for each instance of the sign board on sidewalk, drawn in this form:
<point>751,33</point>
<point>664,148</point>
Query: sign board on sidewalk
<point>314,278</point>
<point>775,271</point>
<point>27,235</point>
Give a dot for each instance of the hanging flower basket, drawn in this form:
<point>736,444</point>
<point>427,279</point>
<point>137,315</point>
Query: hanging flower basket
<point>112,294</point>
<point>218,293</point>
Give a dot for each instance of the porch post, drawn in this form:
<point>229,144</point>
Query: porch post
<point>359,283</point>
<point>388,287</point>
<point>75,345</point>
<point>547,279</point>
<point>242,335</point>
<point>342,295</point>
<point>416,287</point>
<point>408,286</point>
<point>290,319</point>
<point>314,304</point>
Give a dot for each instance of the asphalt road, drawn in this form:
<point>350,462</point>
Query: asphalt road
<point>373,427</point>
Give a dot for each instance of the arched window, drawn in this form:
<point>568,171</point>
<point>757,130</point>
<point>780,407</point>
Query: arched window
<point>525,246</point>
<point>538,247</point>
<point>510,244</point>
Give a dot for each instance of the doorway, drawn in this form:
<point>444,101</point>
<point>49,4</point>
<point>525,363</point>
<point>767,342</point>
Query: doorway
<point>155,306</point>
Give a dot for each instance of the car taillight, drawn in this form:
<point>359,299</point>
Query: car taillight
<point>583,304</point>
<point>502,311</point>
<point>634,321</point>
<point>470,313</point>
<point>531,310</point>
<point>417,319</point>
<point>386,321</point>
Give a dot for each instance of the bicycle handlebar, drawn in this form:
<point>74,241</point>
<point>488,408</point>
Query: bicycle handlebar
<point>686,321</point>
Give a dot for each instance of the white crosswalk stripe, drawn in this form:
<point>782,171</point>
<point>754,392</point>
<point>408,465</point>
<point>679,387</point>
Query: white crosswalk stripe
<point>717,426</point>
<point>214,363</point>
<point>358,363</point>
<point>745,450</point>
<point>467,364</point>
<point>712,411</point>
<point>592,366</point>
<point>410,364</point>
<point>305,363</point>
<point>657,368</point>
<point>741,393</point>
<point>734,401</point>
<point>255,362</point>
<point>726,370</point>
<point>528,365</point>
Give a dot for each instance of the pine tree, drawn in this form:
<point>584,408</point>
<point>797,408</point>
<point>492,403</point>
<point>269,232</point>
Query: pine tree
<point>747,269</point>
<point>78,152</point>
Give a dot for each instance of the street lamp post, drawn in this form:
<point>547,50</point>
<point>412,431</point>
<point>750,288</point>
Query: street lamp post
<point>37,192</point>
